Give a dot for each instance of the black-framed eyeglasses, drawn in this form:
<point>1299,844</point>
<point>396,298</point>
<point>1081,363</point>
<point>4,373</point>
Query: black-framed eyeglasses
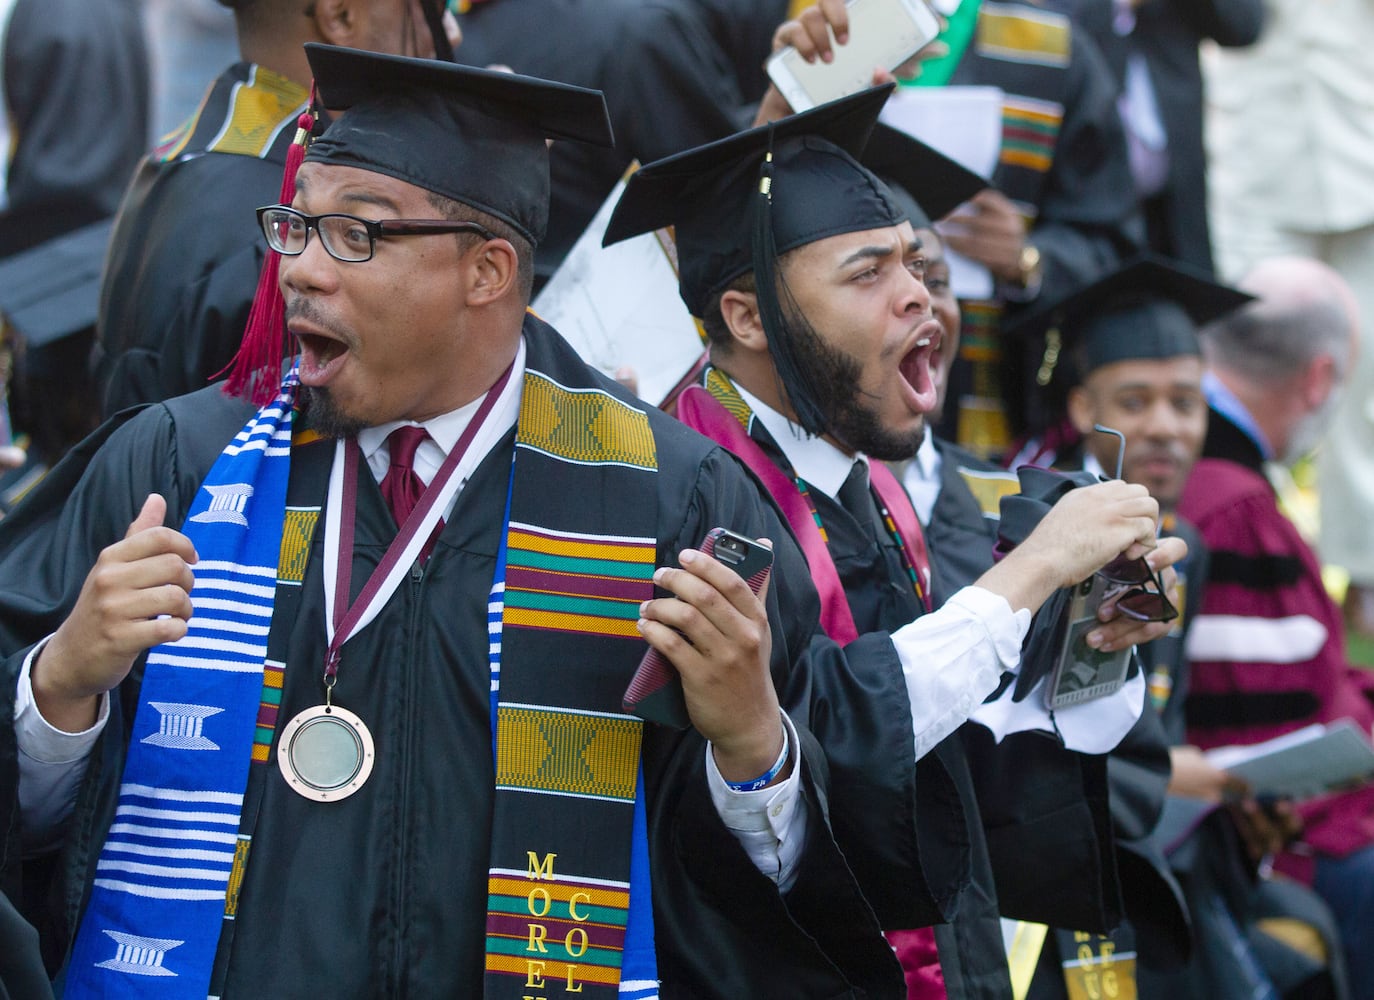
<point>1137,589</point>
<point>347,237</point>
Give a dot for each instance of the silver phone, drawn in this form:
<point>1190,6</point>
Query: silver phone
<point>1082,673</point>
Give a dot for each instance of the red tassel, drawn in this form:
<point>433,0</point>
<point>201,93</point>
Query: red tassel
<point>255,371</point>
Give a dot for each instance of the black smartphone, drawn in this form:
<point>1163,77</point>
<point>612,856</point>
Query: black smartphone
<point>655,691</point>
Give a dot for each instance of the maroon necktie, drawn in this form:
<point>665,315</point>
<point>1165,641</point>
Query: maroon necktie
<point>401,486</point>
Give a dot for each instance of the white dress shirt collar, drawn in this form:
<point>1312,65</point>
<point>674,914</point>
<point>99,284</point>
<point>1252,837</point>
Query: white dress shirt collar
<point>815,460</point>
<point>445,430</point>
<point>921,477</point>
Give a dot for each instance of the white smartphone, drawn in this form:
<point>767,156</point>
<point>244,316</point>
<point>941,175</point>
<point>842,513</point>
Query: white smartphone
<point>881,33</point>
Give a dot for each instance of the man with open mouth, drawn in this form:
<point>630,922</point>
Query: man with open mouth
<point>808,277</point>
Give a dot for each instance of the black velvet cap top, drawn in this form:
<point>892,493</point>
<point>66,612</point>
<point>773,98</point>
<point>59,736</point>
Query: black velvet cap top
<point>928,184</point>
<point>711,194</point>
<point>473,135</point>
<point>1150,308</point>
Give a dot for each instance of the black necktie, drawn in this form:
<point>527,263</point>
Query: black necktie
<point>856,498</point>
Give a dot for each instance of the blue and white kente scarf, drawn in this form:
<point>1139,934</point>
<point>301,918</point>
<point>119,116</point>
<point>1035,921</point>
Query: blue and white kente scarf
<point>163,873</point>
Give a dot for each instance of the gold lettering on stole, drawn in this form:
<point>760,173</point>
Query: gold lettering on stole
<point>577,897</point>
<point>572,906</point>
<point>1099,973</point>
<point>534,977</point>
<point>541,894</point>
<point>538,935</point>
<point>541,869</point>
<point>578,949</point>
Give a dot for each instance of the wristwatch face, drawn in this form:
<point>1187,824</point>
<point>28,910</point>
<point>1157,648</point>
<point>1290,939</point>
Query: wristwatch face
<point>1028,262</point>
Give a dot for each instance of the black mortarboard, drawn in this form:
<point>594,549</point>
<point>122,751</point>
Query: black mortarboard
<point>53,290</point>
<point>928,184</point>
<point>1149,308</point>
<point>818,189</point>
<point>739,203</point>
<point>473,135</point>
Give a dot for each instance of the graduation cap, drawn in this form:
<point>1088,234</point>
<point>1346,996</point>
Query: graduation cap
<point>1150,308</point>
<point>53,290</point>
<point>928,184</point>
<point>739,203</point>
<point>473,135</point>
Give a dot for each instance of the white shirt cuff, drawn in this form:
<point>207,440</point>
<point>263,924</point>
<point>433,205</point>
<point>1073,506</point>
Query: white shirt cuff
<point>955,657</point>
<point>51,763</point>
<point>39,740</point>
<point>769,823</point>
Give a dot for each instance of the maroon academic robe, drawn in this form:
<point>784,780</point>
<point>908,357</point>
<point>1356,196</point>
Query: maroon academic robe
<point>1262,568</point>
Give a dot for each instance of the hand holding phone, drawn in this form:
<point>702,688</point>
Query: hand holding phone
<point>655,690</point>
<point>882,33</point>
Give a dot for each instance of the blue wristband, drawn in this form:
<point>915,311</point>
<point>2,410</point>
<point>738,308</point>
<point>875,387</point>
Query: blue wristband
<point>767,777</point>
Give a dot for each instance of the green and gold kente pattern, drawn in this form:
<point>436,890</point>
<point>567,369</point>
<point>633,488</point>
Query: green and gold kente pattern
<point>258,113</point>
<point>297,530</point>
<point>988,488</point>
<point>1009,32</point>
<point>568,753</point>
<point>719,386</point>
<point>585,426</point>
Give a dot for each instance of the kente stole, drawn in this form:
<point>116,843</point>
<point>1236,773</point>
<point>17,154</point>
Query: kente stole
<point>569,907</point>
<point>568,904</point>
<point>165,865</point>
<point>1028,44</point>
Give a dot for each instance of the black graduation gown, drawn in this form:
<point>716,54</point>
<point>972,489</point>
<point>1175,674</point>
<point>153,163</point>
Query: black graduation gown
<point>1138,774</point>
<point>960,535</point>
<point>1167,36</point>
<point>380,889</point>
<point>745,33</point>
<point>186,250</point>
<point>1055,802</point>
<point>668,87</point>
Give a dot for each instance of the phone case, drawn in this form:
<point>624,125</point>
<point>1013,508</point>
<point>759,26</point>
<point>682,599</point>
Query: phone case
<point>1082,673</point>
<point>655,690</point>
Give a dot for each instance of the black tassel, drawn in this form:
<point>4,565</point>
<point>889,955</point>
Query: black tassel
<point>800,394</point>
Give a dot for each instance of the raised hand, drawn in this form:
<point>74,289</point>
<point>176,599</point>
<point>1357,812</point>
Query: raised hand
<point>136,596</point>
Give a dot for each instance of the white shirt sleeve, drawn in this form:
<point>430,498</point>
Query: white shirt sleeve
<point>770,823</point>
<point>955,657</point>
<point>51,763</point>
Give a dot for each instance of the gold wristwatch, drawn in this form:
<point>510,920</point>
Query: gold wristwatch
<point>1028,265</point>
